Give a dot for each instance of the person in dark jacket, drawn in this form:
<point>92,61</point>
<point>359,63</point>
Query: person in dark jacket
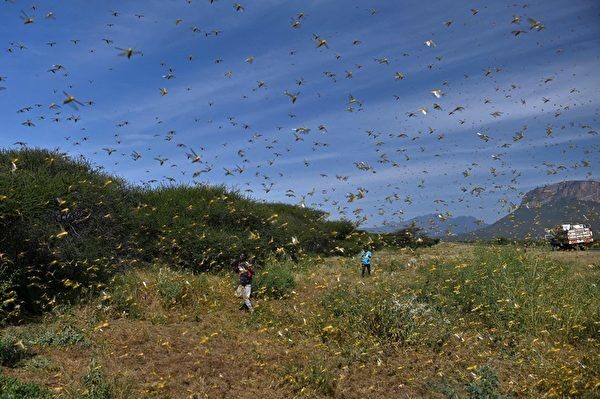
<point>244,289</point>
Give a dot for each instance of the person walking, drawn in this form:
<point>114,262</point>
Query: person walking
<point>365,257</point>
<point>244,289</point>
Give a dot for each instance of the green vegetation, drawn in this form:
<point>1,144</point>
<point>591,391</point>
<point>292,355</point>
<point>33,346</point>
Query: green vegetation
<point>387,315</point>
<point>456,321</point>
<point>67,224</point>
<point>72,227</point>
<point>485,386</point>
<point>275,281</point>
<point>517,292</point>
<point>95,383</point>
<point>206,227</point>
<point>153,292</point>
<point>409,237</point>
<point>65,336</point>
<point>11,388</point>
<point>11,351</point>
<point>137,275</point>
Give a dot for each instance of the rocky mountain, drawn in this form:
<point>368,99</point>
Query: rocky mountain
<point>545,207</point>
<point>580,190</point>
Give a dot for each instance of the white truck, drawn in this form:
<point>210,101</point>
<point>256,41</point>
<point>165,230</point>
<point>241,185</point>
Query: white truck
<point>570,237</point>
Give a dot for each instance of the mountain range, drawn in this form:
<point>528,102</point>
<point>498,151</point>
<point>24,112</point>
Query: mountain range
<point>545,207</point>
<point>576,201</point>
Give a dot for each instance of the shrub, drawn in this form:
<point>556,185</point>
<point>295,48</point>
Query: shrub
<point>410,237</point>
<point>485,386</point>
<point>274,281</point>
<point>178,288</point>
<point>11,352</point>
<point>9,301</point>
<point>95,383</point>
<point>206,227</point>
<point>122,294</point>
<point>67,224</point>
<point>11,388</point>
<point>153,291</point>
<point>37,363</point>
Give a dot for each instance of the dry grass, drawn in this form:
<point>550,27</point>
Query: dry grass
<point>190,340</point>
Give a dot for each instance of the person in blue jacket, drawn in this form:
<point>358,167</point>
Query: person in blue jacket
<point>365,257</point>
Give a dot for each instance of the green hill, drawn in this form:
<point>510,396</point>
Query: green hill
<point>68,227</point>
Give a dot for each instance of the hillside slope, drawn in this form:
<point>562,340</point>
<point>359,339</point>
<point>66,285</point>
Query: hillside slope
<point>545,207</point>
<point>70,227</point>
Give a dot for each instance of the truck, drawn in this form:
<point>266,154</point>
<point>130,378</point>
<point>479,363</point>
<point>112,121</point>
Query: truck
<point>570,237</point>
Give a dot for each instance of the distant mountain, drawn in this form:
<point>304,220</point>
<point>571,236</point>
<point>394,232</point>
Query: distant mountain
<point>580,190</point>
<point>434,226</point>
<point>545,207</point>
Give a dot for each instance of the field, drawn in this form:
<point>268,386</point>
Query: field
<point>450,321</point>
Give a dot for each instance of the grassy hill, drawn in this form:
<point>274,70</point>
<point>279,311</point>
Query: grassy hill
<point>68,227</point>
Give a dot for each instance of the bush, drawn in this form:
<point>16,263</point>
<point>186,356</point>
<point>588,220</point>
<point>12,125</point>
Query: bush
<point>485,386</point>
<point>95,384</point>
<point>206,227</point>
<point>153,292</point>
<point>274,281</point>
<point>179,289</point>
<point>38,363</point>
<point>66,336</point>
<point>11,352</point>
<point>11,388</point>
<point>122,294</point>
<point>68,226</point>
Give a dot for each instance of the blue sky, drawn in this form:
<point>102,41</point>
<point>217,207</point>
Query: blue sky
<point>376,157</point>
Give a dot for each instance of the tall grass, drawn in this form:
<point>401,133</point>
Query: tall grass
<point>383,314</point>
<point>510,290</point>
<point>154,292</point>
